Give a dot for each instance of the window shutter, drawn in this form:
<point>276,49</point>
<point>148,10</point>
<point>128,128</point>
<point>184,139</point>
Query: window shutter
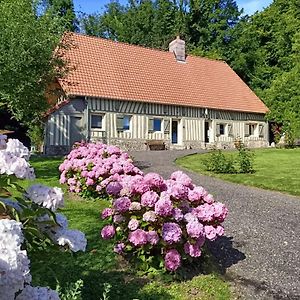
<point>150,124</point>
<point>167,125</point>
<point>261,130</point>
<point>247,130</point>
<point>120,122</point>
<point>218,130</point>
<point>230,130</point>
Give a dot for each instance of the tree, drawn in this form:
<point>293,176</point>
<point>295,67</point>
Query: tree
<point>27,62</point>
<point>64,10</point>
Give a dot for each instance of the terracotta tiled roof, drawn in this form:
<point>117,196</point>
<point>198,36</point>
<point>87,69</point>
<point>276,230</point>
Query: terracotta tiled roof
<point>108,69</point>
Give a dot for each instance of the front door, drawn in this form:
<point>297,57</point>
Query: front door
<point>76,134</point>
<point>174,132</point>
<point>206,132</point>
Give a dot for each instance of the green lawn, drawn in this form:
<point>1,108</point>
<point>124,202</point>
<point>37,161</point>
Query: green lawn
<point>275,169</point>
<point>98,265</point>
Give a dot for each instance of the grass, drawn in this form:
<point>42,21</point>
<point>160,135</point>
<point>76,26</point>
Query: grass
<point>98,265</point>
<point>275,169</point>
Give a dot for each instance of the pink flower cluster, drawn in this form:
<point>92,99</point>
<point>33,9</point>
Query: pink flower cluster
<point>92,169</point>
<point>172,217</point>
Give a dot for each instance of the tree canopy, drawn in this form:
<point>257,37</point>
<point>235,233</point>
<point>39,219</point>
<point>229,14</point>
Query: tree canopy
<point>27,61</point>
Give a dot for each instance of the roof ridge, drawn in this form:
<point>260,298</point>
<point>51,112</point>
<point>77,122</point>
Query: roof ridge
<point>144,47</point>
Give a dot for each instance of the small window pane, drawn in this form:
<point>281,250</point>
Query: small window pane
<point>222,129</point>
<point>96,121</point>
<point>157,124</point>
<point>126,122</point>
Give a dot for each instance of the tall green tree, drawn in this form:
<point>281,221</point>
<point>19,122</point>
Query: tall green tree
<point>64,10</point>
<point>27,61</point>
<point>265,53</point>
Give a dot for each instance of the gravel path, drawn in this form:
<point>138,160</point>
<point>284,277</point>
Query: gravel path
<point>260,254</point>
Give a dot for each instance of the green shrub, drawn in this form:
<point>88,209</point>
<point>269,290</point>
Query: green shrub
<point>218,163</point>
<point>245,158</point>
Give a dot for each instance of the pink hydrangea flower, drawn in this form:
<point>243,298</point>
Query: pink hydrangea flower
<point>171,232</point>
<point>182,178</point>
<point>172,260</point>
<point>219,230</point>
<point>209,199</point>
<point>108,232</point>
<point>118,219</point>
<point>210,232</point>
<point>134,206</point>
<point>138,237</point>
<point>192,249</point>
<point>122,204</point>
<point>119,248</point>
<point>164,206</point>
<point>133,224</point>
<point>149,216</point>
<point>154,180</point>
<point>194,229</point>
<point>152,237</point>
<point>149,199</point>
<point>106,213</point>
<point>177,214</point>
<point>113,188</point>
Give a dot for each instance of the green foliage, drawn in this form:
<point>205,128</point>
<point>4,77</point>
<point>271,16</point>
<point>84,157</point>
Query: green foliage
<point>245,160</point>
<point>36,135</point>
<point>266,56</point>
<point>71,292</point>
<point>206,25</point>
<point>27,63</point>
<point>64,11</point>
<point>217,162</point>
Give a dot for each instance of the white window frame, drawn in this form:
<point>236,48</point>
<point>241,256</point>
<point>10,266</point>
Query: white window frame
<point>103,121</point>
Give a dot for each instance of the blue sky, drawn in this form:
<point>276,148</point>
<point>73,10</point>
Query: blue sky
<point>90,6</point>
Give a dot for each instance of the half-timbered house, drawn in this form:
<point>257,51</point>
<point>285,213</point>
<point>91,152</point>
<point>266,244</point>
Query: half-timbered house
<point>134,97</point>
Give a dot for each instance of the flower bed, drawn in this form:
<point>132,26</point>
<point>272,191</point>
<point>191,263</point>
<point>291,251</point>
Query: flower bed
<point>90,167</point>
<point>161,222</point>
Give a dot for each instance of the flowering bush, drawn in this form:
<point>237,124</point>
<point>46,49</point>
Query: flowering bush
<point>26,222</point>
<point>90,168</point>
<point>161,222</point>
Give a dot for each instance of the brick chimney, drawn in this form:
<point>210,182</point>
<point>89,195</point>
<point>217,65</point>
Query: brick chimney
<point>178,48</point>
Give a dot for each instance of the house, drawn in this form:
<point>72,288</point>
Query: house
<point>133,97</point>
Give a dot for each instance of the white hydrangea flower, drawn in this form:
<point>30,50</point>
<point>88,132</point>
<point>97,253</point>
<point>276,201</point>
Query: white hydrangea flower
<point>13,165</point>
<point>74,239</point>
<point>38,293</point>
<point>51,198</point>
<point>14,263</point>
<point>3,141</point>
<point>17,148</point>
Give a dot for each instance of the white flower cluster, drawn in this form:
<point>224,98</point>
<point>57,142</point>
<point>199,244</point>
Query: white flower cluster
<point>51,198</point>
<point>14,263</point>
<point>3,141</point>
<point>38,293</point>
<point>17,148</point>
<point>75,240</point>
<point>14,161</point>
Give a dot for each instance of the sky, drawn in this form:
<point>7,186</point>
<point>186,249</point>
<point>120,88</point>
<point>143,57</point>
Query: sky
<point>91,6</point>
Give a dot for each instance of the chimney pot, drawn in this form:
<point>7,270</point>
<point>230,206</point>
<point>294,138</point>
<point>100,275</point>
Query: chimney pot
<point>178,48</point>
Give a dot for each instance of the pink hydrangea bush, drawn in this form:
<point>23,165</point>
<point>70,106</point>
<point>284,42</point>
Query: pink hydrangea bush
<point>94,169</point>
<point>153,218</point>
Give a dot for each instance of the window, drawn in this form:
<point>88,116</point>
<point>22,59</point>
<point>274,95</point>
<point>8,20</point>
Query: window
<point>156,124</point>
<point>96,121</point>
<point>123,122</point>
<point>126,122</point>
<point>250,129</point>
<point>220,129</point>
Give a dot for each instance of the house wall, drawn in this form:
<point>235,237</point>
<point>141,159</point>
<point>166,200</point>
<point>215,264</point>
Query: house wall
<point>191,124</point>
